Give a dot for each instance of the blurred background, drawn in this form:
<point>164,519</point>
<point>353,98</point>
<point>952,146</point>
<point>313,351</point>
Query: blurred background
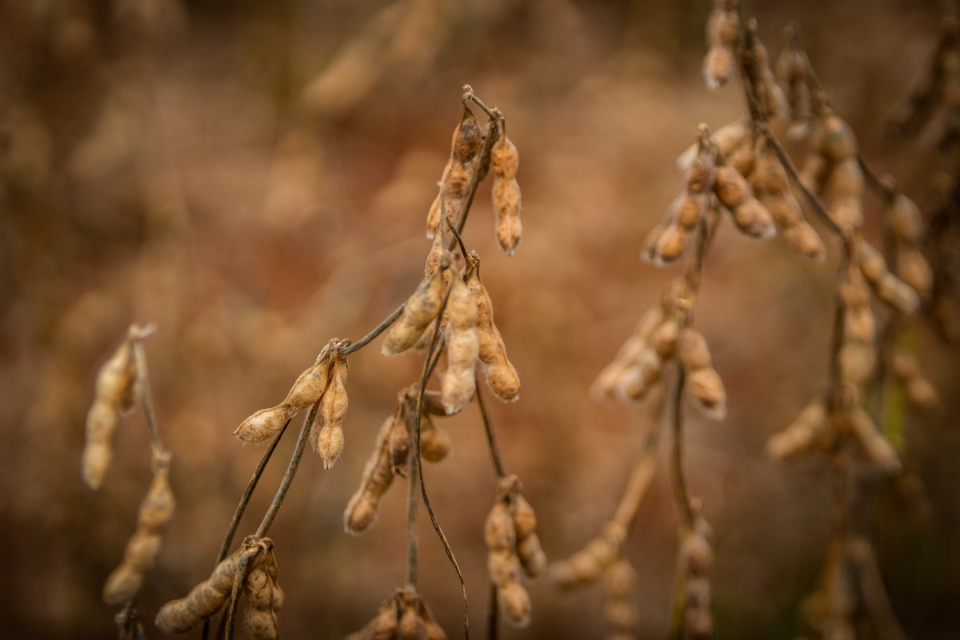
<point>254,178</point>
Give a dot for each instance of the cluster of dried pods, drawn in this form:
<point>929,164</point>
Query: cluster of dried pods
<point>402,616</point>
<point>121,384</point>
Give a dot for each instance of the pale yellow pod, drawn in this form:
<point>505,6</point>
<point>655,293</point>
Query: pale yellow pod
<point>264,424</point>
<point>859,324</point>
<point>141,554</point>
<point>435,257</point>
<point>531,555</point>
<point>800,435</point>
<point>628,354</point>
<point>922,394</point>
<point>435,213</point>
<point>846,179</point>
<point>505,161</point>
<point>857,362</point>
<point>700,178</point>
<point>463,348</point>
<point>689,208</point>
<point>310,385</point>
<point>872,264</point>
<point>116,375</point>
<point>847,213</point>
<point>497,368</point>
<point>897,294</point>
<point>418,312</point>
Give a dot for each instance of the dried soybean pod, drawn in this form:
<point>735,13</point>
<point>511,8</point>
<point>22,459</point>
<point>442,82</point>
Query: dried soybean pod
<point>620,609</point>
<point>144,547</point>
<point>705,384</point>
<point>203,601</point>
<point>328,439</point>
<point>531,554</point>
<point>434,631</point>
<point>361,511</point>
<point>114,391</point>
<point>260,615</point>
<point>411,625</point>
<point>463,348</point>
<point>913,268</point>
<point>419,311</point>
<point>401,437</point>
<point>458,173</point>
<point>506,191</point>
<point>588,564</point>
<point>515,602</point>
<point>694,352</point>
<point>434,442</point>
<point>628,354</point>
<point>722,38</point>
<point>307,389</point>
<point>383,626</point>
<point>734,192</point>
<point>496,367</point>
<point>906,220</point>
<point>433,403</point>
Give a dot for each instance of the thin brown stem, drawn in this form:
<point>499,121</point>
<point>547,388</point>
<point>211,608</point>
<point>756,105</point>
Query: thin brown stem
<point>456,235</point>
<point>380,328</point>
<point>413,506</point>
<point>679,480</point>
<point>883,184</point>
<point>491,435</point>
<point>143,380</point>
<point>469,95</point>
<point>493,614</point>
<point>291,472</point>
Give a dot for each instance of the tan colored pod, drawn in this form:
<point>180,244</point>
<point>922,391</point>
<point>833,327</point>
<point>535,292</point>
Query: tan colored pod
<point>800,435</point>
<point>628,354</point>
<point>361,511</point>
<point>515,602</point>
<point>384,625</point>
<point>731,188</point>
<point>836,141</point>
<point>913,268</point>
<point>897,294</point>
<point>328,438</point>
<point>722,38</point>
<point>260,614</point>
<point>458,173</point>
<point>505,161</point>
<point>859,324</point>
<point>495,365</point>
<point>411,626</point>
<point>420,310</point>
<point>144,547</point>
<point>805,241</point>
<point>694,352</point>
<point>754,219</point>
<point>463,347</point>
<point>115,392</point>
<point>857,362</point>
<point>434,631</point>
<point>906,219</point>
<point>498,530</point>
<point>589,563</point>
<point>203,601</point>
<point>401,439</point>
<point>433,403</point>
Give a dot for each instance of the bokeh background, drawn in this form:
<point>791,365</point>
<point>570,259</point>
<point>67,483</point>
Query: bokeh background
<point>253,178</point>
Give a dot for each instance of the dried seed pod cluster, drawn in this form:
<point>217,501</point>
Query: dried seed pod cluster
<point>116,393</point>
<point>144,547</point>
<point>458,173</point>
<point>512,545</point>
<point>506,191</point>
<point>462,345</point>
<point>402,616</point>
<point>696,558</point>
<point>667,241</point>
<point>307,390</point>
<point>495,366</point>
<point>392,451</point>
<point>832,167</point>
<point>887,287</point>
<point>906,223</point>
<point>588,564</point>
<point>858,357</point>
<point>767,94</point>
<point>209,597</point>
<point>722,38</point>
<point>663,335</point>
<point>620,597</point>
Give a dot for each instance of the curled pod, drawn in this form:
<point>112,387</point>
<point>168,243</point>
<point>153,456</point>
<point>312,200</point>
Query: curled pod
<point>361,511</point>
<point>144,547</point>
<point>800,435</point>
<point>463,348</point>
<point>419,311</point>
<point>496,367</point>
<point>506,193</point>
<point>434,442</point>
<point>203,601</point>
<point>875,445</point>
<point>328,439</point>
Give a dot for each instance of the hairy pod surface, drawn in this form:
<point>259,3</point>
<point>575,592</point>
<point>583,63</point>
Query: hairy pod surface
<point>463,348</point>
<point>361,511</point>
<point>420,310</point>
<point>115,392</point>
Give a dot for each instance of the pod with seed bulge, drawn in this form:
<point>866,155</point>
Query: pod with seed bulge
<point>263,598</point>
<point>734,193</point>
<point>506,193</point>
<point>722,37</point>
<point>588,564</point>
<point>434,442</point>
<point>606,382</point>
<point>420,310</point>
<point>115,392</point>
<point>463,348</point>
<point>496,367</point>
<point>458,173</point>
<point>877,447</point>
<point>378,474</point>
<point>203,601</point>
<point>401,439</point>
<point>144,547</point>
<point>328,439</point>
<point>802,434</point>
